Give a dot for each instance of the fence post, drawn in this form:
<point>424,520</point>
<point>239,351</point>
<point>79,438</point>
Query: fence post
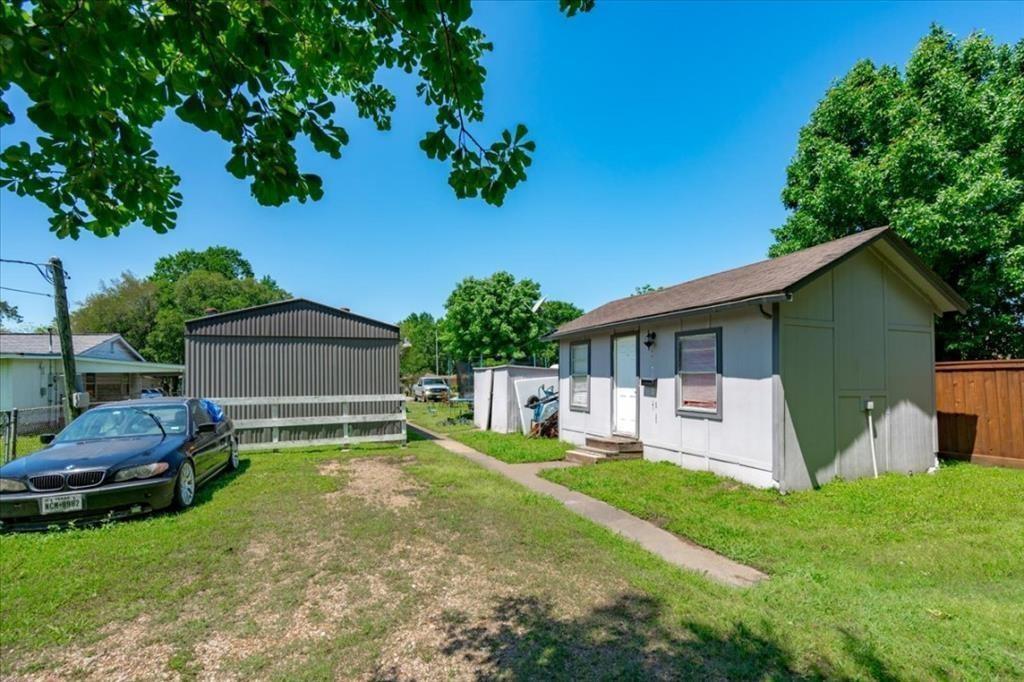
<point>405,435</point>
<point>275,432</point>
<point>5,434</point>
<point>346,431</point>
<point>12,436</point>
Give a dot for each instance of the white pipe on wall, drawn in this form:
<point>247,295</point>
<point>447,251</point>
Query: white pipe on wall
<point>869,407</point>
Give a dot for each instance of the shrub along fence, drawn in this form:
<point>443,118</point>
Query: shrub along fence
<point>980,407</point>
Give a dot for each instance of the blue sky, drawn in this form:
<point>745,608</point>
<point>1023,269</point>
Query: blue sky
<point>663,131</point>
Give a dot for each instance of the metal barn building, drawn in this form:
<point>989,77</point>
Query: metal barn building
<point>298,372</point>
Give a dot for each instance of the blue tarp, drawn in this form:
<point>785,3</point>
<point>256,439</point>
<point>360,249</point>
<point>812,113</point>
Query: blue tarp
<point>216,411</point>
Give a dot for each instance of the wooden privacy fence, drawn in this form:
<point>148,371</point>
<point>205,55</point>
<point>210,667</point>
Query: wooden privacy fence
<point>376,418</point>
<point>980,407</point>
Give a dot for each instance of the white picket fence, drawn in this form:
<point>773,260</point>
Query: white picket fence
<point>275,422</point>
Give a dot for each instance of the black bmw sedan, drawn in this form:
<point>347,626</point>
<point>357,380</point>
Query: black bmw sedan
<point>118,460</point>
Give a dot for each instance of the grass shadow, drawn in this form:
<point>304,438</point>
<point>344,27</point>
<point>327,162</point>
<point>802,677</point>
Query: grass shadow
<point>527,637</point>
<point>415,434</point>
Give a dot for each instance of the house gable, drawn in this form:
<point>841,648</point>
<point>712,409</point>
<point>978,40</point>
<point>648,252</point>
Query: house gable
<point>858,332</point>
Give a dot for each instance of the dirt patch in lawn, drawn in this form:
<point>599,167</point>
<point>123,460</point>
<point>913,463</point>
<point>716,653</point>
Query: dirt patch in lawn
<point>122,654</point>
<point>381,482</point>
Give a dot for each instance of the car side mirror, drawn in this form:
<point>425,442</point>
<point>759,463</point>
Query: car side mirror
<point>208,427</point>
<point>46,438</point>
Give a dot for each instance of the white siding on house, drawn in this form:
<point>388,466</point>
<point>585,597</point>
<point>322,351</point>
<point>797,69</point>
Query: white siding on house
<point>574,426</point>
<point>737,445</point>
<point>23,383</point>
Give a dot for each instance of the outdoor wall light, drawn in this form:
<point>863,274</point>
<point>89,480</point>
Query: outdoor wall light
<point>649,339</point>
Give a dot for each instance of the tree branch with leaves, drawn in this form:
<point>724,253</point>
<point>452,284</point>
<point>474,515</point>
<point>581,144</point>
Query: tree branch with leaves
<point>99,74</point>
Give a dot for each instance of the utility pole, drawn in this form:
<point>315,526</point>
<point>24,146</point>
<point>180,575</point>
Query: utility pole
<point>67,348</point>
<point>437,355</point>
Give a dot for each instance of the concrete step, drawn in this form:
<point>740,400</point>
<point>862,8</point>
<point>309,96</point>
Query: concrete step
<point>590,456</point>
<point>614,444</point>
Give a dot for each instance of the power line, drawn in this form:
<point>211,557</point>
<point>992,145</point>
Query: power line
<point>26,291</point>
<point>44,269</point>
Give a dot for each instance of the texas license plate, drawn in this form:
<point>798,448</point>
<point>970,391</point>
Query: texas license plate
<point>58,504</point>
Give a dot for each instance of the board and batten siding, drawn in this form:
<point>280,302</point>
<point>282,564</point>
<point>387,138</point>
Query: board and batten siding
<point>296,348</point>
<point>857,332</point>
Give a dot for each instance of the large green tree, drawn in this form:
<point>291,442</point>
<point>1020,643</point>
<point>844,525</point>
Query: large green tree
<point>554,314</point>
<point>418,357</point>
<point>493,319</point>
<point>99,74</point>
<point>193,296</point>
<point>127,305</point>
<point>937,152</point>
<point>220,259</point>
<point>150,313</point>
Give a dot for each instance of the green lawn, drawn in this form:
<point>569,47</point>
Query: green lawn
<point>917,576</point>
<point>513,448</point>
<point>413,563</point>
<point>24,445</point>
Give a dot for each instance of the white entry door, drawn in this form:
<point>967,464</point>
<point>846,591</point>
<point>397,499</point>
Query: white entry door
<point>624,400</point>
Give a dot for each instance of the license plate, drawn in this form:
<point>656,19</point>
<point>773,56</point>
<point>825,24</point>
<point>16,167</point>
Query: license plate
<point>58,504</point>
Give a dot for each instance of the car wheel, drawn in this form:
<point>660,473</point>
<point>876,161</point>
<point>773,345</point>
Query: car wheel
<point>233,459</point>
<point>185,486</point>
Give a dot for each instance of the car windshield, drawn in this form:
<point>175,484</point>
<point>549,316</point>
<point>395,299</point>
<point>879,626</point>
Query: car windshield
<point>433,382</point>
<point>125,422</point>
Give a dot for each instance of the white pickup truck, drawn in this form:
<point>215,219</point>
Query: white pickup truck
<point>430,388</point>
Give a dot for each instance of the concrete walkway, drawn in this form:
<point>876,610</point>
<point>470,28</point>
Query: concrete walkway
<point>669,547</point>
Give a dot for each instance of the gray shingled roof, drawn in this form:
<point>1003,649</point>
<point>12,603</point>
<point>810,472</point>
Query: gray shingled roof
<point>39,344</point>
<point>763,281</point>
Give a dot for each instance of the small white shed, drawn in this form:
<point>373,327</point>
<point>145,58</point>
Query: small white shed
<point>495,406</point>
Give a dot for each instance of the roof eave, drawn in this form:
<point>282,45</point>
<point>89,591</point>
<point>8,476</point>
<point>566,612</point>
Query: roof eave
<point>763,299</point>
<point>189,324</point>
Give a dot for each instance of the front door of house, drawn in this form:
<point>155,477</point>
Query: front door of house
<point>624,399</point>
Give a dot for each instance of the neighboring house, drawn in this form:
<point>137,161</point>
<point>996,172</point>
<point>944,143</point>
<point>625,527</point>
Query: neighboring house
<point>297,348</point>
<point>31,373</point>
<point>766,373</point>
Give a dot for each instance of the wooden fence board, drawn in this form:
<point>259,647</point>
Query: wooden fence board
<point>980,409</point>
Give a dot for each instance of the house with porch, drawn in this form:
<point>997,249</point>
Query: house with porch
<point>109,368</point>
<point>786,373</point>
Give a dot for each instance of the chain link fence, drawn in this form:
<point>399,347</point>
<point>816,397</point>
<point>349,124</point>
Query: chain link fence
<point>25,423</point>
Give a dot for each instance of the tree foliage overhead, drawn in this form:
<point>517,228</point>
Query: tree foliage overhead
<point>150,313</point>
<point>100,73</point>
<point>937,152</point>
<point>493,319</point>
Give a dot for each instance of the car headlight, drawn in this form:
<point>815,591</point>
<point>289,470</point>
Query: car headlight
<point>9,485</point>
<point>141,471</point>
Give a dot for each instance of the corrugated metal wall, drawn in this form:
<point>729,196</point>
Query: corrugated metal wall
<point>295,348</point>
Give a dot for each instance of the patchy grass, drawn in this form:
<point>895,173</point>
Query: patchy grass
<point>25,445</point>
<point>916,576</point>
<point>413,563</point>
<point>512,448</point>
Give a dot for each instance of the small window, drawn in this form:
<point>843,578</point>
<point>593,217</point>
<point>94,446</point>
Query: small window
<point>579,372</point>
<point>699,372</point>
